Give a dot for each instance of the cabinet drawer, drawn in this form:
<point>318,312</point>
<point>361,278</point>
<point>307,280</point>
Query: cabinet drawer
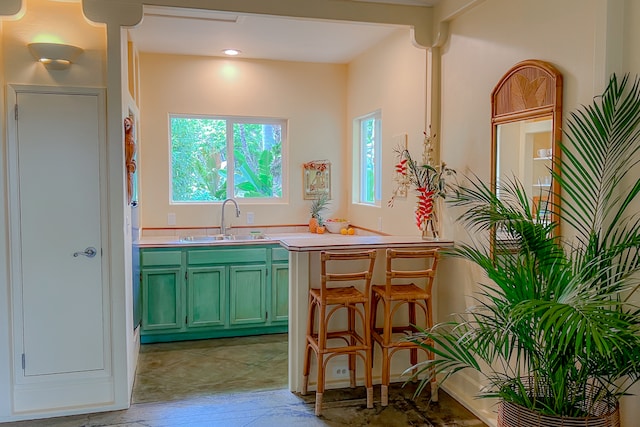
<point>156,258</point>
<point>279,254</point>
<point>226,256</point>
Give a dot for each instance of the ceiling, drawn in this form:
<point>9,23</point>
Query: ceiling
<point>208,33</point>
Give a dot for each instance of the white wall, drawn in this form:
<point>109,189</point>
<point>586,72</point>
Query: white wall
<point>576,36</point>
<point>39,20</point>
<point>57,22</point>
<point>312,97</point>
<point>390,77</point>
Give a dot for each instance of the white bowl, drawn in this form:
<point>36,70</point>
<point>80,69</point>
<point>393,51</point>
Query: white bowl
<point>335,226</point>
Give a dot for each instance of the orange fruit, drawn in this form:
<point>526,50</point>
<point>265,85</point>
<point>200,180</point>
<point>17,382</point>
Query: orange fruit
<point>351,231</point>
<point>343,231</point>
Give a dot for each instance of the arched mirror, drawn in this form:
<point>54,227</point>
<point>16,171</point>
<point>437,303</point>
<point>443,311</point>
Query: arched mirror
<point>526,115</point>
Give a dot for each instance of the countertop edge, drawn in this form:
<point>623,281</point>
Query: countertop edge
<point>304,242</point>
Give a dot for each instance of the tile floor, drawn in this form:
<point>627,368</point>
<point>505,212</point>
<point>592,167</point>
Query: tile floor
<point>224,382</point>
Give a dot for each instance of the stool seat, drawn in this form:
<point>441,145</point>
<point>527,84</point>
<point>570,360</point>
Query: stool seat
<point>338,292</point>
<point>340,295</point>
<point>401,292</point>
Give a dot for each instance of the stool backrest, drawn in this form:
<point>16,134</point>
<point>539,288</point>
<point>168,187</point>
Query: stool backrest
<point>349,276</point>
<point>428,256</point>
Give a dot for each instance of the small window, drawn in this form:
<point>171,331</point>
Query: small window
<point>214,158</point>
<point>367,131</point>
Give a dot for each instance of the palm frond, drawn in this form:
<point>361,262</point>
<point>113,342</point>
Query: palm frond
<point>555,315</point>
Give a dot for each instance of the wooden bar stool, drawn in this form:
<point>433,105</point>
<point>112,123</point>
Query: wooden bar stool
<point>327,301</point>
<point>400,289</point>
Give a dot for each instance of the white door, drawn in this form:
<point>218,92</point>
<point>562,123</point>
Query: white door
<point>60,294</point>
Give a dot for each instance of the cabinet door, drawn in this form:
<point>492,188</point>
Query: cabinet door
<point>206,296</point>
<point>280,292</point>
<point>247,289</point>
<point>161,291</point>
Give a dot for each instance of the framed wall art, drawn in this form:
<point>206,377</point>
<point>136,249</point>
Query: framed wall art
<point>316,179</point>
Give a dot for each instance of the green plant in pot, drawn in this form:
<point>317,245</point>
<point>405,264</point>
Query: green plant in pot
<point>317,207</point>
<point>555,330</point>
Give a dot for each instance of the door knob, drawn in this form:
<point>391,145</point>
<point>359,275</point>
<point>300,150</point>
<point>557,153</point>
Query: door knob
<point>90,252</point>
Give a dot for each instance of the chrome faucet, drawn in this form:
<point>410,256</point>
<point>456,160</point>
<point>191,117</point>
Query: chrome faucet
<point>223,228</point>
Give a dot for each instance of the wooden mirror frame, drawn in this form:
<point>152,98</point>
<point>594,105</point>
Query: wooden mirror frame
<point>529,90</point>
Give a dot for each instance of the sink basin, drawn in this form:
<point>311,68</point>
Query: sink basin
<point>219,237</point>
<point>202,238</point>
<point>246,237</point>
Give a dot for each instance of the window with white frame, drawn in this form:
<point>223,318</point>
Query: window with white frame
<point>367,143</point>
<point>214,158</point>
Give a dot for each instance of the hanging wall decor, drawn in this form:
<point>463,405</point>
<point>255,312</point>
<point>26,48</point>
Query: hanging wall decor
<point>316,179</point>
<point>129,151</point>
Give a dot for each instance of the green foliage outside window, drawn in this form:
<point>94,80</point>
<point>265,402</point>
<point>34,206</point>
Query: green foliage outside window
<point>202,150</point>
<point>368,141</point>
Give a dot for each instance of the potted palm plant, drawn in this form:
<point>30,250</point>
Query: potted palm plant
<point>555,330</point>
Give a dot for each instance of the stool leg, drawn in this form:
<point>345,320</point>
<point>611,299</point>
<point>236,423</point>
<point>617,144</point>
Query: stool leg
<point>370,397</point>
<point>384,395</point>
<point>307,349</point>
<point>372,311</point>
<point>305,373</point>
<point>372,325</point>
<point>386,363</point>
<point>386,367</point>
<point>368,355</point>
<point>320,385</point>
<point>412,322</point>
<point>434,390</point>
<point>322,345</point>
<point>351,310</point>
<point>429,322</point>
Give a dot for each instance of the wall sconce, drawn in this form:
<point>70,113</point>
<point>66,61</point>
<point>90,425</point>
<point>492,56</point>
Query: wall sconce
<point>54,56</point>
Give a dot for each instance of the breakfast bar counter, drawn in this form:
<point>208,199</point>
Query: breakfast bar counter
<point>305,242</point>
<point>304,272</point>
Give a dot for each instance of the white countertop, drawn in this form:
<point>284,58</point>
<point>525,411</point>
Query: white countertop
<point>310,242</point>
<point>303,242</point>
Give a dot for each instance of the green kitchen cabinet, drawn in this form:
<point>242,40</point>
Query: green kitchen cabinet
<point>162,284</point>
<point>279,286</point>
<point>206,296</point>
<point>213,291</point>
<point>248,293</point>
<point>246,270</point>
<point>161,289</point>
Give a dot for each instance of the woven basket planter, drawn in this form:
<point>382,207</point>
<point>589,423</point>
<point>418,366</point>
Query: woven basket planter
<point>513,415</point>
<point>599,412</point>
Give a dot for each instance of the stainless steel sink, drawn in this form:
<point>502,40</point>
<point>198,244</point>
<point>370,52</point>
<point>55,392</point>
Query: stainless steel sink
<point>219,237</point>
<point>202,238</point>
<point>254,236</point>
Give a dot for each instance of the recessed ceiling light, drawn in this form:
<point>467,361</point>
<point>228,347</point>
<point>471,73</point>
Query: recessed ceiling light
<point>231,52</point>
